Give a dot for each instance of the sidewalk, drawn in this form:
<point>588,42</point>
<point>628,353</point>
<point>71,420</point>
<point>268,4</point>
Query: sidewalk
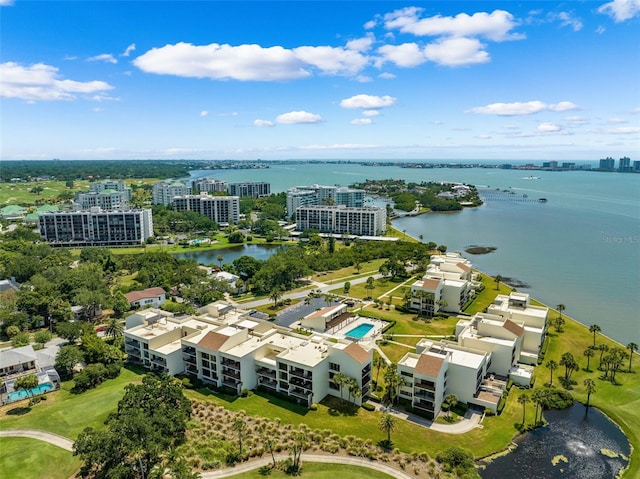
<point>471,420</point>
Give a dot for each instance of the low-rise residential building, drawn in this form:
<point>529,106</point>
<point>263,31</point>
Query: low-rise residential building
<point>150,297</point>
<point>23,361</point>
<point>12,212</point>
<point>228,347</point>
<point>96,227</point>
<point>321,319</point>
<point>224,210</point>
<point>340,219</point>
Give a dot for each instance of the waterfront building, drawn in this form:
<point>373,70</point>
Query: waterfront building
<point>624,164</point>
<point>228,347</point>
<point>323,195</point>
<point>105,199</point>
<point>607,163</point>
<point>113,185</point>
<point>550,165</point>
<point>255,189</point>
<point>297,198</point>
<point>350,197</point>
<point>165,191</point>
<point>210,185</point>
<point>224,210</point>
<point>636,166</point>
<point>96,227</point>
<point>340,219</point>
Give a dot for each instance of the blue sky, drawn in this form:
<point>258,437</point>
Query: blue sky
<point>327,80</point>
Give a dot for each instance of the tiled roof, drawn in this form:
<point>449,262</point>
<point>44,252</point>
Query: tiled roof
<point>358,353</point>
<point>144,294</point>
<point>513,328</point>
<point>431,283</point>
<point>429,365</point>
<point>463,266</point>
<point>213,341</point>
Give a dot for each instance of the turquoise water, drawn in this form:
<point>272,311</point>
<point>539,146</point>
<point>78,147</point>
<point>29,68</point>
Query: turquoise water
<point>24,394</point>
<point>581,248</point>
<point>360,331</point>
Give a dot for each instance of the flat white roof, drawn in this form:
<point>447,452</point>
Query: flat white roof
<point>466,358</point>
<point>247,323</point>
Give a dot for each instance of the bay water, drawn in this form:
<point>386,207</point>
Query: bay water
<point>580,248</point>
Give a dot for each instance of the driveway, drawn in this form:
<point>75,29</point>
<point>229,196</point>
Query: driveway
<point>298,311</point>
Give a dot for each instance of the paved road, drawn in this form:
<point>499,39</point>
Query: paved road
<point>349,460</point>
<point>49,437</point>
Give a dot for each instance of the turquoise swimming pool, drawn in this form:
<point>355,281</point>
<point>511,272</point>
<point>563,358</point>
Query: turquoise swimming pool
<point>24,394</point>
<point>359,331</point>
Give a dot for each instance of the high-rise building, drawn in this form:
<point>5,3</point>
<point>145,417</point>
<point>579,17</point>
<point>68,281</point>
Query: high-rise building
<point>165,191</point>
<point>112,185</point>
<point>105,199</point>
<point>96,227</point>
<point>607,163</point>
<point>223,210</point>
<point>323,195</point>
<point>210,185</point>
<point>339,219</point>
<point>624,164</point>
<point>255,189</point>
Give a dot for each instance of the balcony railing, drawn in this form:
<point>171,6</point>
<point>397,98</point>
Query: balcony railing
<point>230,373</point>
<point>301,373</point>
<point>266,372</point>
<point>231,363</point>
<point>230,383</point>
<point>299,393</point>
<point>268,383</point>
<point>424,405</point>
<point>301,383</point>
<point>427,386</point>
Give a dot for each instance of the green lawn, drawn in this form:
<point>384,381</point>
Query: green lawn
<point>367,268</point>
<point>315,470</point>
<point>486,296</point>
<point>25,458</point>
<point>18,193</point>
<point>68,414</point>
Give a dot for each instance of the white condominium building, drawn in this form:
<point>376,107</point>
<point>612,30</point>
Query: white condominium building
<point>210,185</point>
<point>255,189</point>
<point>165,191</point>
<point>96,227</point>
<point>230,348</point>
<point>105,199</point>
<point>224,210</point>
<point>323,195</point>
<point>365,221</point>
<point>114,185</point>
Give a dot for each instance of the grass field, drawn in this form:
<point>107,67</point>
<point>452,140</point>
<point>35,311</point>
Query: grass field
<point>316,470</point>
<point>24,458</point>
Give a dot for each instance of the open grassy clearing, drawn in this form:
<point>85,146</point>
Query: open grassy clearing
<point>19,194</point>
<point>65,413</point>
<point>26,458</point>
<point>311,470</point>
<point>350,272</point>
<point>486,296</point>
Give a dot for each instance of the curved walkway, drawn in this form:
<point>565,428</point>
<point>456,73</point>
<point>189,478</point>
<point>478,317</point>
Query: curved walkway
<point>45,436</point>
<point>347,460</point>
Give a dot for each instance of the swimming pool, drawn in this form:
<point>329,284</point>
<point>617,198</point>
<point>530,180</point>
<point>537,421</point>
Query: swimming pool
<point>359,331</point>
<point>22,394</point>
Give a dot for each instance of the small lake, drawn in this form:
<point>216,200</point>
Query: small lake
<point>258,251</point>
<point>584,440</point>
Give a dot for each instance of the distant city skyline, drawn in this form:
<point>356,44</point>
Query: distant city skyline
<point>352,80</point>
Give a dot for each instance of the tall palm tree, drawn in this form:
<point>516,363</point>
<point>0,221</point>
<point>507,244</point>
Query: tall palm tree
<point>523,399</point>
<point>632,347</point>
<point>379,363</point>
<point>220,258</point>
<point>270,444</point>
<point>537,398</point>
<point>603,348</point>
<point>355,391</point>
<point>561,307</point>
<point>340,380</point>
<point>451,400</point>
<point>551,366</point>
<point>393,380</point>
<point>114,328</point>
<point>370,285</point>
<point>275,296</point>
<point>594,328</point>
<point>498,280</point>
<point>387,423</point>
<point>589,353</point>
<point>590,386</point>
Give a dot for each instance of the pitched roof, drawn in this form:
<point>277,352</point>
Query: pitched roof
<point>144,294</point>
<point>513,327</point>
<point>431,283</point>
<point>358,353</point>
<point>429,365</point>
<point>213,341</point>
<point>463,266</point>
<point>12,357</point>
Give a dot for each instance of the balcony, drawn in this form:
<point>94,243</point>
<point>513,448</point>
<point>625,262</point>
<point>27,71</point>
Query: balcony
<point>424,405</point>
<point>366,369</point>
<point>301,383</point>
<point>191,369</point>
<point>366,378</point>
<point>268,383</point>
<point>159,361</point>
<point>299,393</point>
<point>301,373</point>
<point>189,350</point>
<point>266,372</point>
<point>230,373</point>
<point>231,363</point>
<point>189,359</point>
<point>133,352</point>
<point>230,383</point>
<point>133,343</point>
<point>421,393</point>
<point>426,385</point>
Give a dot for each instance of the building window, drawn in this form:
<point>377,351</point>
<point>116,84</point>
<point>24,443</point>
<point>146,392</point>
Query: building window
<point>334,367</point>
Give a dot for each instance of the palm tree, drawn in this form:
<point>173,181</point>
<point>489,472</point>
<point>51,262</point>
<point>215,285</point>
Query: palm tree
<point>603,349</point>
<point>393,380</point>
<point>114,329</point>
<point>26,383</point>
<point>220,258</point>
<point>551,366</point>
<point>594,328</point>
<point>370,285</point>
<point>239,425</point>
<point>355,390</point>
<point>275,296</point>
<point>558,323</point>
<point>387,423</point>
<point>589,353</point>
<point>451,400</point>
<point>590,386</point>
<point>340,380</point>
<point>632,347</point>
<point>569,363</point>
<point>421,237</point>
<point>561,307</point>
<point>379,363</point>
<point>523,399</point>
<point>270,444</point>
<point>498,279</point>
<point>538,397</point>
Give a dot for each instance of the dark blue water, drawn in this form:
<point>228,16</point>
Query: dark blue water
<point>580,438</point>
<point>210,257</point>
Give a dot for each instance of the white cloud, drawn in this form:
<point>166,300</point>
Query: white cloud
<point>624,130</point>
<point>6,3</point>
<point>495,26</point>
<point>522,108</point>
<point>483,137</point>
<point>406,55</point>
<point>128,50</point>
<point>204,113</point>
<point>368,101</point>
<point>548,127</point>
<point>101,97</point>
<point>263,123</point>
<point>621,10</point>
<point>104,57</point>
<point>296,117</point>
<point>371,112</point>
<point>363,79</point>
<point>40,82</point>
<point>600,30</point>
<point>615,121</point>
<point>386,76</point>
<point>456,52</point>
<point>361,121</point>
<point>361,44</point>
<point>345,146</point>
<point>576,120</point>
<point>251,62</point>
<point>568,19</point>
<point>70,57</point>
